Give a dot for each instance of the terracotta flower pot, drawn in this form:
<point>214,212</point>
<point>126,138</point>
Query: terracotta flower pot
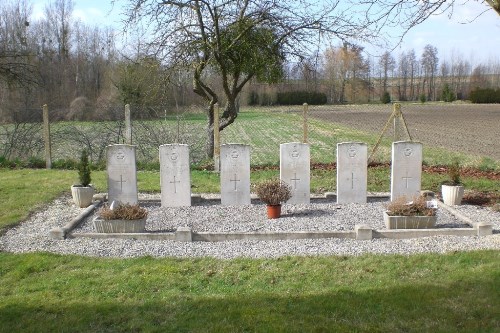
<point>273,211</point>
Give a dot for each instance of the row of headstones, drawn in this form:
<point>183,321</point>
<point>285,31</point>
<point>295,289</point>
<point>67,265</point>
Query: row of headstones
<point>175,177</point>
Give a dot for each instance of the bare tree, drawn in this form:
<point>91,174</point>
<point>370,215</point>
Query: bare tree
<point>15,66</point>
<point>231,42</point>
<point>403,76</point>
<point>406,14</point>
<point>387,65</point>
<point>429,64</point>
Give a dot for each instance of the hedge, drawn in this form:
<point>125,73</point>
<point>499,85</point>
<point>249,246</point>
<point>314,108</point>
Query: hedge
<point>301,97</point>
<point>487,95</point>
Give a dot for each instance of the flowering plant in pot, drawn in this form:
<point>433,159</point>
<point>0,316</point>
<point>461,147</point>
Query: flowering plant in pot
<point>83,192</point>
<point>415,213</point>
<point>452,190</point>
<point>273,193</point>
<point>121,218</point>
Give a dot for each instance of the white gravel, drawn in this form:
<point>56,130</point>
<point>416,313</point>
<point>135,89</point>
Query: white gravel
<point>33,234</point>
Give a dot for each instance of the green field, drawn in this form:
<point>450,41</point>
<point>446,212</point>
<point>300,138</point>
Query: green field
<point>263,129</point>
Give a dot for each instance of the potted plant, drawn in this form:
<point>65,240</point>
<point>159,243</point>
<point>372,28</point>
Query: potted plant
<point>121,218</point>
<point>273,192</point>
<point>453,190</point>
<point>415,213</point>
<point>84,192</point>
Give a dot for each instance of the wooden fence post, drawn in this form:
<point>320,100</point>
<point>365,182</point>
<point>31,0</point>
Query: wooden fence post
<point>46,137</point>
<point>216,139</point>
<point>306,111</point>
<point>128,125</point>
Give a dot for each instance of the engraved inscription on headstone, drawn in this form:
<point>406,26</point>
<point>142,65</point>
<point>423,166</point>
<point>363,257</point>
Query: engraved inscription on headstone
<point>175,178</point>
<point>235,174</point>
<point>295,170</point>
<point>122,175</point>
<point>352,175</point>
<point>406,169</point>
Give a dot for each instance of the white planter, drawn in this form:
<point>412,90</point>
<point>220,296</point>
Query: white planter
<point>409,222</point>
<point>452,195</point>
<point>82,195</point>
<point>120,226</point>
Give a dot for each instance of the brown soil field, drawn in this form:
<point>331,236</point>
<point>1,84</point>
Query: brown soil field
<point>473,129</point>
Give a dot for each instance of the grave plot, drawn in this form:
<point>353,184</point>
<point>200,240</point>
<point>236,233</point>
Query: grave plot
<point>175,179</point>
<point>295,170</point>
<point>208,220</point>
<point>352,173</point>
<point>406,169</point>
<point>235,174</point>
<point>122,174</point>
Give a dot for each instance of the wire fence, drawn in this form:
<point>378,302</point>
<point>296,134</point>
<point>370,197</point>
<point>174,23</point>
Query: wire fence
<point>263,128</point>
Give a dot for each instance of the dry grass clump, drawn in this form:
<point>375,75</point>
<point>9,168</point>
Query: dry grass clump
<point>123,212</point>
<point>273,192</point>
<point>496,207</point>
<point>417,206</point>
<point>481,198</point>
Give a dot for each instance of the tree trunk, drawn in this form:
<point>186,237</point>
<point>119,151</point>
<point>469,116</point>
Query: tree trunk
<point>228,116</point>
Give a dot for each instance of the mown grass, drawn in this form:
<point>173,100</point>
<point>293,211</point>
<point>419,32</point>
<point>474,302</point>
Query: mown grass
<point>421,293</point>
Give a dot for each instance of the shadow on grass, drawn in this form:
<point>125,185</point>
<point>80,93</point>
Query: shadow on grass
<point>417,308</point>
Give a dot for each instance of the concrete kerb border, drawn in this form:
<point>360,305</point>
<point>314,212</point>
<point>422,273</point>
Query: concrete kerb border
<point>62,233</point>
<point>361,232</point>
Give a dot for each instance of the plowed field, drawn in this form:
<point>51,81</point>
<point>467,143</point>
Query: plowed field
<point>466,128</point>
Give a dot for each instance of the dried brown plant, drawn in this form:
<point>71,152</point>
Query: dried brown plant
<point>123,212</point>
<point>416,206</point>
<point>273,192</point>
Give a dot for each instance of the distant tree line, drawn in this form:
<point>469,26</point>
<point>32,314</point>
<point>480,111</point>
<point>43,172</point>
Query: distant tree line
<point>346,75</point>
<point>79,71</point>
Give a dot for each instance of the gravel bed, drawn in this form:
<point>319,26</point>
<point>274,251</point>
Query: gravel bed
<point>33,234</point>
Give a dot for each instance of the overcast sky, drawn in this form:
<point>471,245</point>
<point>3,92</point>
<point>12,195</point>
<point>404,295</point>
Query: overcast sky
<point>477,41</point>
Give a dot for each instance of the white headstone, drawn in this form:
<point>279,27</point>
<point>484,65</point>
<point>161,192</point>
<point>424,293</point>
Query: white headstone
<point>122,174</point>
<point>235,174</point>
<point>175,179</point>
<point>295,171</point>
<point>352,174</point>
<point>406,169</point>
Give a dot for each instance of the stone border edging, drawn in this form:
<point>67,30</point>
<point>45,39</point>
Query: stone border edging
<point>62,233</point>
<point>361,232</point>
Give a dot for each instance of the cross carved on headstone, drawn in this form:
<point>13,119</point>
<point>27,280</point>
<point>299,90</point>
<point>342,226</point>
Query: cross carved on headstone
<point>235,180</point>
<point>352,180</point>
<point>406,178</point>
<point>175,184</point>
<point>121,181</point>
<point>294,180</point>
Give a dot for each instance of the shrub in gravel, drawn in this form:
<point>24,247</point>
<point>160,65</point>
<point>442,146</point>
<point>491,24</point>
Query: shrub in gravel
<point>417,206</point>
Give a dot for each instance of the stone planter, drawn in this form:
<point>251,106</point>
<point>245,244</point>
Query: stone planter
<point>120,226</point>
<point>82,195</point>
<point>452,194</point>
<point>409,222</point>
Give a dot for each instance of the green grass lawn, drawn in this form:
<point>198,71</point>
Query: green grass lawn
<point>373,293</point>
